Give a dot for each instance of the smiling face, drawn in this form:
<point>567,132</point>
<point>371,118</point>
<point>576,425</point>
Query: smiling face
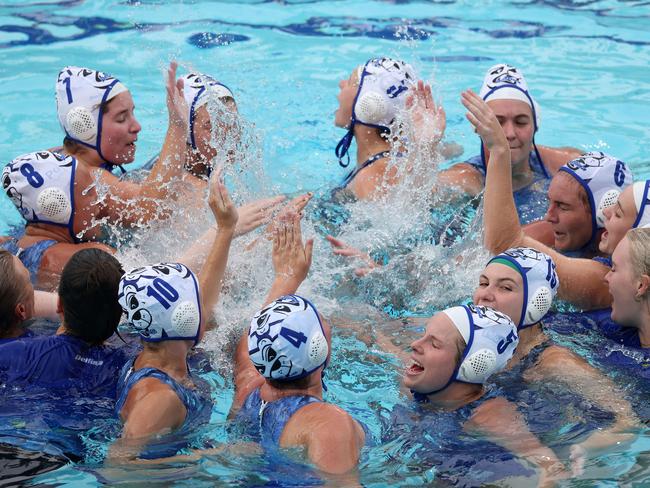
<point>568,213</point>
<point>501,288</point>
<point>119,130</point>
<point>623,285</point>
<point>347,91</point>
<point>516,119</point>
<point>619,219</point>
<point>434,356</point>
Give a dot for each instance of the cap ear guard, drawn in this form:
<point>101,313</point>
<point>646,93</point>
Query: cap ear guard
<point>81,124</point>
<point>607,200</point>
<point>478,366</point>
<point>539,304</point>
<point>185,319</point>
<point>318,350</point>
<point>371,107</point>
<point>54,205</point>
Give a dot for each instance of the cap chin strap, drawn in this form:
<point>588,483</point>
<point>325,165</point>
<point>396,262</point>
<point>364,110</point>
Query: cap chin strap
<point>343,146</point>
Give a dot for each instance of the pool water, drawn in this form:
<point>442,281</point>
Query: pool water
<point>587,65</point>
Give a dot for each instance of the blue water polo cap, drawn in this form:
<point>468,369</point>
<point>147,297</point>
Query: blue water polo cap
<point>539,277</point>
<point>642,202</point>
<point>383,86</point>
<point>41,186</point>
<point>197,89</point>
<point>162,302</point>
<point>604,178</point>
<point>286,340</point>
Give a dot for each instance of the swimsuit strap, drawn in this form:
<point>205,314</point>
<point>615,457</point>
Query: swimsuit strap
<point>352,174</point>
<point>131,376</point>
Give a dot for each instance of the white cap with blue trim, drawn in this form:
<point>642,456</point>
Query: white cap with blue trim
<point>80,93</point>
<point>162,302</point>
<point>540,281</point>
<point>604,178</point>
<point>41,186</point>
<point>197,89</point>
<point>383,85</point>
<point>490,337</point>
<point>286,340</point>
<point>505,82</point>
<point>490,341</point>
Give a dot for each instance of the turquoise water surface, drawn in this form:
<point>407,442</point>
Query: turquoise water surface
<point>587,64</point>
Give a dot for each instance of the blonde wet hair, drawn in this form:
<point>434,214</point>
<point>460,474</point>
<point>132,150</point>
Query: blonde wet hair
<point>639,240</point>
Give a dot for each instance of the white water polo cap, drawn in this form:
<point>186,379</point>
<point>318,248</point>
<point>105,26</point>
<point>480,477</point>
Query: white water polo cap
<point>539,278</point>
<point>286,340</point>
<point>41,186</point>
<point>197,89</point>
<point>505,82</point>
<point>162,302</point>
<point>490,338</point>
<point>641,190</point>
<point>383,86</point>
<point>80,96</point>
<point>603,178</point>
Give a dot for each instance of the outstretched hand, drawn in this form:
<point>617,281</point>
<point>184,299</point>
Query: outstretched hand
<point>429,120</point>
<point>223,209</point>
<point>295,206</point>
<point>254,214</point>
<point>176,104</point>
<point>340,248</point>
<point>291,260</point>
<point>484,121</point>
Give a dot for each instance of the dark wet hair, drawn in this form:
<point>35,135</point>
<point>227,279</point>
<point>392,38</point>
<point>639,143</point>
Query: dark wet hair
<point>10,294</point>
<point>88,292</point>
<point>299,384</point>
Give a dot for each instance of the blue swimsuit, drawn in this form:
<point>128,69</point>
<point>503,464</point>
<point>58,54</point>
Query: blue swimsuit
<point>531,201</point>
<point>197,405</point>
<point>32,256</point>
<point>267,420</point>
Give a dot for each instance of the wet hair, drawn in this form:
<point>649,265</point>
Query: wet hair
<point>88,293</point>
<point>10,294</point>
<point>460,347</point>
<point>299,384</point>
<point>639,240</point>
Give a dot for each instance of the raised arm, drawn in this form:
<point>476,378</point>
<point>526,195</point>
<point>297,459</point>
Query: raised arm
<point>214,268</point>
<point>132,203</point>
<point>581,280</point>
<point>291,262</point>
<point>428,123</point>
